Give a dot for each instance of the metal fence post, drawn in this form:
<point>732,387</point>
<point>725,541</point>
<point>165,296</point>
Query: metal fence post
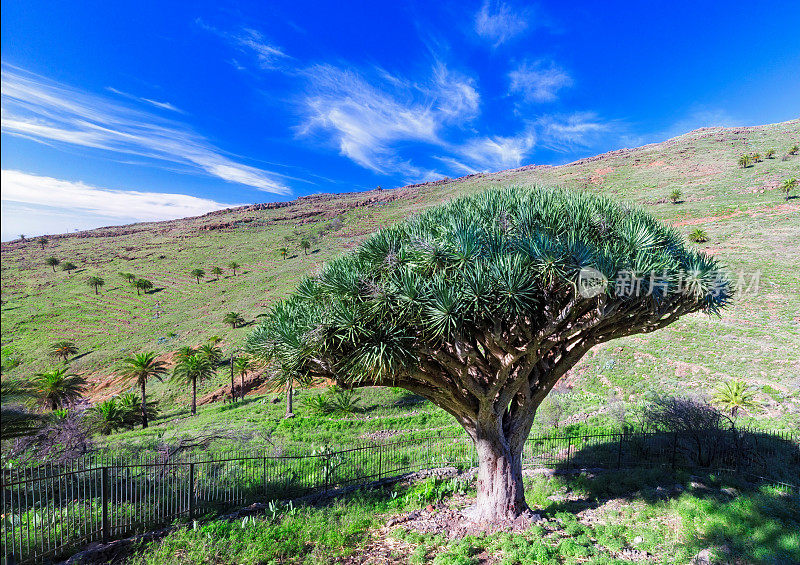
<point>265,477</point>
<point>569,450</point>
<point>619,452</point>
<point>380,462</point>
<point>104,488</point>
<point>191,491</point>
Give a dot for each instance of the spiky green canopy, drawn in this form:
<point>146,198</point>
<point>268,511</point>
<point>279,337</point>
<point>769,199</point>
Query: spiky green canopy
<point>472,287</point>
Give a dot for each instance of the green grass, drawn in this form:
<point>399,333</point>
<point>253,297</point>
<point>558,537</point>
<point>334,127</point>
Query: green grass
<point>587,519</point>
<point>750,227</point>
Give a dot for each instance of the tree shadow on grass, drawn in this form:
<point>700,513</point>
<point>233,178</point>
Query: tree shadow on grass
<point>738,516</point>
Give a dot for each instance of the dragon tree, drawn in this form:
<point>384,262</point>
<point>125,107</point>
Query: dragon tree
<point>481,305</point>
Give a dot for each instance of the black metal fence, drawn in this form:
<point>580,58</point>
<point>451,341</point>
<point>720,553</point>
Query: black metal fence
<point>49,511</point>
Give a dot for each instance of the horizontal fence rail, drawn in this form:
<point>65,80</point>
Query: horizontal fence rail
<point>49,511</point>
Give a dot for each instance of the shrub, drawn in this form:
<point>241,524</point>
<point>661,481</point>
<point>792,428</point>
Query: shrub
<point>698,235</point>
<point>675,196</point>
<point>69,267</point>
<point>757,157</point>
<point>794,149</point>
<point>770,153</point>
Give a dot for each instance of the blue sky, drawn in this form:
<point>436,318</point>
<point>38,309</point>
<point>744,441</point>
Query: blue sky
<point>122,111</point>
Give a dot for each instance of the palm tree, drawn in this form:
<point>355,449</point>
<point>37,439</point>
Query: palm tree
<point>128,277</point>
<point>793,150</point>
<point>96,283</point>
<point>69,267</point>
<point>698,235</point>
<point>305,245</point>
<point>234,319</point>
<point>57,388</point>
<point>284,251</point>
<point>198,274</point>
<point>52,262</point>
<point>131,406</point>
<point>43,241</point>
<point>143,285</point>
<point>757,157</point>
<point>190,370</point>
<point>216,271</point>
<point>107,416</point>
<point>242,366</point>
<point>143,366</point>
<point>745,161</point>
<point>233,265</point>
<point>770,153</point>
<point>63,349</point>
<point>211,352</point>
<point>285,381</point>
<point>788,186</point>
<point>675,195</point>
<point>184,353</point>
<point>734,396</point>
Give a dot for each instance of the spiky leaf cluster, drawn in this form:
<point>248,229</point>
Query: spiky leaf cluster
<point>506,264</point>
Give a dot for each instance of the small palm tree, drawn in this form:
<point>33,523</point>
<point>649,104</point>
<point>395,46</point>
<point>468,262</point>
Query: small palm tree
<point>107,417</point>
<point>233,265</point>
<point>234,319</point>
<point>305,245</point>
<point>43,241</point>
<point>52,262</point>
<point>142,367</point>
<point>58,388</point>
<point>211,352</point>
<point>734,396</point>
<point>698,235</point>
<point>131,407</point>
<point>745,161</point>
<point>95,283</point>
<point>788,186</point>
<point>69,267</point>
<point>195,368</point>
<point>794,149</point>
<point>757,157</point>
<point>770,153</point>
<point>217,272</point>
<point>675,196</point>
<point>63,349</point>
<point>143,285</point>
<point>284,251</point>
<point>130,278</point>
<point>198,274</point>
<point>242,366</point>
<point>184,353</point>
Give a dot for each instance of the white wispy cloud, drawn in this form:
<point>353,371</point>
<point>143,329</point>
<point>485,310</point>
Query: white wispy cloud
<point>497,152</point>
<point>34,204</point>
<point>538,81</point>
<point>368,121</point>
<point>564,131</point>
<point>156,103</point>
<point>42,110</point>
<point>498,22</point>
<point>251,42</point>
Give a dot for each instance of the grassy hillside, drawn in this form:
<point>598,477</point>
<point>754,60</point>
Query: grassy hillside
<point>750,226</point>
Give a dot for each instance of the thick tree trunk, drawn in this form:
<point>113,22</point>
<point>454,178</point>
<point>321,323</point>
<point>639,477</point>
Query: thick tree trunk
<point>144,407</point>
<point>501,494</point>
<point>194,396</point>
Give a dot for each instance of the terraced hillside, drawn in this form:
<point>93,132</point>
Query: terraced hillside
<point>750,225</point>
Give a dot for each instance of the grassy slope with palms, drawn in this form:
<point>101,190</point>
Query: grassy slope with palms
<point>750,226</point>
